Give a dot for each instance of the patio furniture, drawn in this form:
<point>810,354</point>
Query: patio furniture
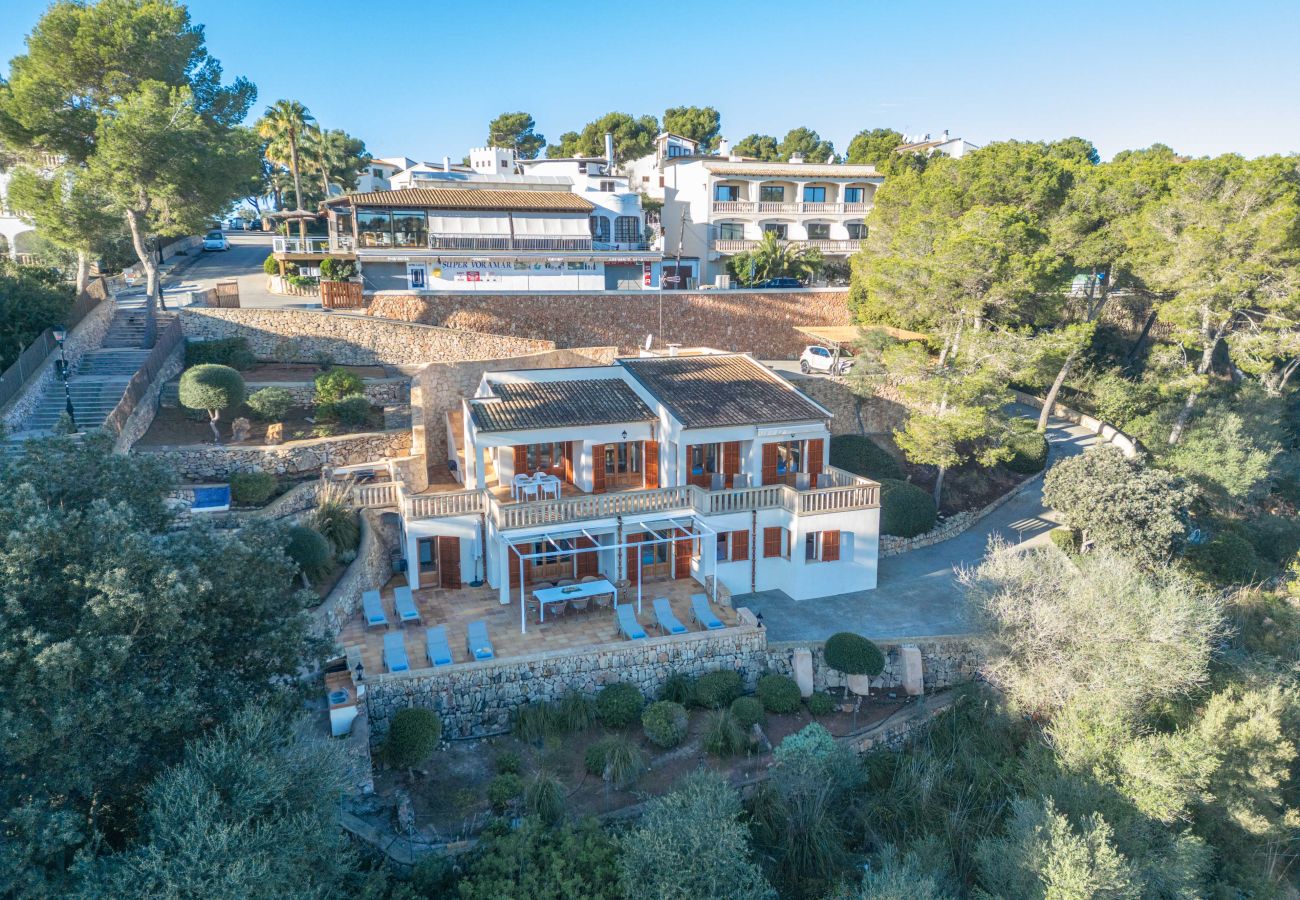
<point>436,646</point>
<point>565,582</point>
<point>579,605</point>
<point>533,608</point>
<point>395,652</point>
<point>603,601</point>
<point>739,481</point>
<point>587,579</point>
<point>529,489</point>
<point>211,499</point>
<point>548,484</point>
<point>405,604</point>
<point>718,482</point>
<point>476,641</point>
<point>564,594</point>
<point>374,609</point>
<point>802,481</point>
<point>668,623</point>
<point>824,480</point>
<point>628,626</point>
<point>559,608</point>
<point>517,483</point>
<point>701,613</point>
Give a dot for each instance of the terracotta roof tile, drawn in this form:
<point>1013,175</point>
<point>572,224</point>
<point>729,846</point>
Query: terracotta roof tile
<point>712,391</point>
<point>558,404</point>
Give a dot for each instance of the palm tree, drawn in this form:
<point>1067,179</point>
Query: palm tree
<point>335,156</point>
<point>284,125</point>
<point>775,258</point>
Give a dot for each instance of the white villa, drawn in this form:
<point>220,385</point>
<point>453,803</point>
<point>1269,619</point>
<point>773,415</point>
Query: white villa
<point>943,144</point>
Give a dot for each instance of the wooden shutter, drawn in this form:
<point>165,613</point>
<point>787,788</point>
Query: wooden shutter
<point>449,561</point>
<point>739,545</point>
<point>816,449</point>
<point>632,550</point>
<point>769,464</point>
<point>589,561</point>
<point>598,468</point>
<point>521,459</point>
<point>568,461</point>
<point>650,463</point>
<point>830,546</point>
<point>682,550</point>
<point>701,479</point>
<point>731,461</point>
<point>772,542</point>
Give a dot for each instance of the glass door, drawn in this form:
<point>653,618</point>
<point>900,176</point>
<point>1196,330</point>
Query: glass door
<point>623,465</point>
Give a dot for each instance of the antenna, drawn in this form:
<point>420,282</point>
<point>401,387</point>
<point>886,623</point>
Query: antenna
<point>649,339</point>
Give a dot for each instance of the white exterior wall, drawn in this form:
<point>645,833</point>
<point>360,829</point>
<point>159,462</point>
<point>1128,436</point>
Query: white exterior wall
<point>10,226</point>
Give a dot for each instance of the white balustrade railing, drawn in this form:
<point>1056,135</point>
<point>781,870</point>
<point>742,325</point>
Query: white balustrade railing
<point>375,495</point>
<point>450,503</point>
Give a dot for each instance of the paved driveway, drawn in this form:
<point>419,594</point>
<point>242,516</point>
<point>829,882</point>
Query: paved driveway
<point>917,594</point>
<point>242,262</point>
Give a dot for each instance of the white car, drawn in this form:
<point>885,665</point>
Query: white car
<point>819,359</point>
<point>215,240</point>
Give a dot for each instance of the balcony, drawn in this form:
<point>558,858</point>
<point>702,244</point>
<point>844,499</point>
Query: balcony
<point>835,247</point>
<point>311,246</point>
<point>506,242</point>
<point>755,207</point>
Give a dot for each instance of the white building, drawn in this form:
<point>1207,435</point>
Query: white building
<point>704,467</point>
<point>377,174</point>
<point>715,207</point>
<point>14,232</point>
<point>646,174</point>
<point>948,146</point>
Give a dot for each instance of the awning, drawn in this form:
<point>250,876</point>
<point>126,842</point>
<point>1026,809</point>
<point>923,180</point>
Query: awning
<point>449,223</point>
<point>551,225</point>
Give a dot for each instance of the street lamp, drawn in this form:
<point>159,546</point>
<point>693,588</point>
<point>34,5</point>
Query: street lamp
<point>59,335</point>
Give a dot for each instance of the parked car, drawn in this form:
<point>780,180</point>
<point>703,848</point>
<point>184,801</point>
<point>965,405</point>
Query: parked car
<point>819,359</point>
<point>215,240</point>
<point>780,283</point>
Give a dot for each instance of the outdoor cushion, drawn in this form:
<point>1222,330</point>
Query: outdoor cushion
<point>374,609</point>
<point>436,647</point>
<point>476,641</point>
<point>702,614</point>
<point>395,652</point>
<point>628,624</point>
<point>668,623</point>
<point>405,604</point>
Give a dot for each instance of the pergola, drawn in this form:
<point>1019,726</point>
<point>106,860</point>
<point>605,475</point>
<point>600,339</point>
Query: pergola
<point>694,529</point>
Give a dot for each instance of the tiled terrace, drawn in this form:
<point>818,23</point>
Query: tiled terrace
<point>457,608</point>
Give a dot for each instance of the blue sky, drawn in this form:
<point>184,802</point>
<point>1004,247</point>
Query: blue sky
<point>423,80</point>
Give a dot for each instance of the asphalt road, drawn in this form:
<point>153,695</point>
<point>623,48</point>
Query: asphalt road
<point>242,262</point>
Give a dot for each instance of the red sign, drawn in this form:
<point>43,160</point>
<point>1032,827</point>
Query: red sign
<point>472,275</point>
<point>645,274</point>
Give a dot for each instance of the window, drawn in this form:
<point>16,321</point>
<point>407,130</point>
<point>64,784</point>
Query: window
<point>724,546</point>
<point>776,543</point>
<point>552,552</point>
<point>726,192</point>
<point>771,193</point>
<point>677,150</point>
<point>543,456</point>
<point>819,231</point>
<point>780,229</point>
<point>375,227</point>
<point>607,187</point>
<point>600,228</point>
<point>733,546</point>
<point>410,228</point>
<point>853,195</point>
<point>706,459</point>
<point>428,550</point>
<point>821,546</point>
<point>813,194</point>
<point>789,457</point>
<point>731,231</point>
<point>627,230</point>
<point>857,231</point>
<point>820,351</point>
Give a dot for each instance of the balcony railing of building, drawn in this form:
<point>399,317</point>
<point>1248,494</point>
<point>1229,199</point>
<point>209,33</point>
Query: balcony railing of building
<point>312,245</point>
<point>506,242</point>
<point>723,207</point>
<point>725,245</point>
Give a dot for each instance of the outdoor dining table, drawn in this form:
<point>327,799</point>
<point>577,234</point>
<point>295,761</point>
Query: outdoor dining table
<point>570,592</point>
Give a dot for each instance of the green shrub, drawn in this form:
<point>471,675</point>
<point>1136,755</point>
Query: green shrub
<point>861,455</point>
<point>213,388</point>
<point>778,694</point>
<point>905,509</point>
<point>336,384</point>
<point>252,488</point>
<point>723,735</point>
<point>303,281</point>
<point>853,654</point>
<point>233,352</point>
<point>1117,400</point>
<point>333,269</point>
<point>335,518</point>
<point>1275,538</point>
<point>665,723</point>
<point>412,737</point>
<point>821,704</point>
<point>353,411</point>
<point>503,790</point>
<point>270,266</point>
<point>309,549</point>
<point>1227,558</point>
<point>1029,448</point>
<point>575,712</point>
<point>1066,539</point>
<point>811,740</point>
<point>544,798</point>
<point>747,711</point>
<point>534,721</point>
<point>679,688</point>
<point>716,690</point>
<point>616,756</point>
<point>270,404</point>
<point>619,705</point>
<point>508,763</point>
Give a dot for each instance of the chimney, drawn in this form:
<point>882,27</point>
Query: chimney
<point>796,158</point>
<point>945,135</point>
<point>446,163</point>
<point>724,148</point>
<point>830,160</point>
<point>609,151</point>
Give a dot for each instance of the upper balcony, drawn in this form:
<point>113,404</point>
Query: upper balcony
<point>829,246</point>
<point>767,207</point>
<point>312,246</point>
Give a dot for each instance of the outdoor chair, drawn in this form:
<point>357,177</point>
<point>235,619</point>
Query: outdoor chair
<point>395,652</point>
<point>824,480</point>
<point>802,481</point>
<point>718,482</point>
<point>628,626</point>
<point>435,642</point>
<point>517,483</point>
<point>588,579</point>
<point>603,601</point>
<point>701,613</point>
<point>533,607</point>
<point>549,484</point>
<point>476,641</point>
<point>739,481</point>
<point>579,604</point>
<point>405,604</point>
<point>564,582</point>
<point>529,490</point>
<point>374,609</point>
<point>557,610</point>
<point>668,623</point>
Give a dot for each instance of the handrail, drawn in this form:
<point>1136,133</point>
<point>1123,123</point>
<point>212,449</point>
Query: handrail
<point>33,356</point>
<point>168,340</point>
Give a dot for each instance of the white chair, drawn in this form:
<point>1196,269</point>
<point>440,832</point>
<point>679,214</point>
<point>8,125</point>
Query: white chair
<point>824,480</point>
<point>529,489</point>
<point>739,481</point>
<point>802,481</point>
<point>550,485</point>
<point>718,482</point>
<point>518,482</point>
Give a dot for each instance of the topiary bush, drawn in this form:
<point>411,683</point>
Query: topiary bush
<point>860,455</point>
<point>1066,539</point>
<point>270,266</point>
<point>309,549</point>
<point>337,383</point>
<point>619,705</point>
<point>747,711</point>
<point>1028,446</point>
<point>270,404</point>
<point>233,352</point>
<point>211,387</point>
<point>778,693</point>
<point>852,654</point>
<point>821,704</point>
<point>503,790</point>
<point>905,509</point>
<point>252,488</point>
<point>412,737</point>
<point>665,723</point>
<point>716,690</point>
<point>352,411</point>
<point>679,688</point>
<point>723,735</point>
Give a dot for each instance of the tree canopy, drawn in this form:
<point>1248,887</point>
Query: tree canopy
<point>634,138</point>
<point>806,143</point>
<point>699,123</point>
<point>757,146</point>
<point>873,146</point>
<point>516,131</point>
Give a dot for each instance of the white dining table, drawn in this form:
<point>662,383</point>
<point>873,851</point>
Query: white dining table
<point>570,592</point>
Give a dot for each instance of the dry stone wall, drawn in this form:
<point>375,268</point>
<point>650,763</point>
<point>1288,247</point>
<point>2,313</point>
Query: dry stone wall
<point>758,322</point>
<point>208,462</point>
<point>372,567</point>
<point>945,662</point>
<point>142,416</point>
<point>881,413</point>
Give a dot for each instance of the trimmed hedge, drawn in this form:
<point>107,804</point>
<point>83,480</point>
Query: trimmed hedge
<point>905,509</point>
<point>778,693</point>
<point>716,690</point>
<point>270,404</point>
<point>1066,539</point>
<point>619,705</point>
<point>211,386</point>
<point>747,711</point>
<point>309,549</point>
<point>821,704</point>
<point>853,654</point>
<point>861,455</point>
<point>412,737</point>
<point>252,488</point>
<point>665,723</point>
<point>233,352</point>
<point>1029,449</point>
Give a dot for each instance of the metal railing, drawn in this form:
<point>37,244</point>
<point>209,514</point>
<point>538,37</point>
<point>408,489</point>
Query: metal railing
<point>168,340</point>
<point>728,245</point>
<point>311,245</point>
<point>506,242</point>
<point>33,356</point>
<point>723,207</point>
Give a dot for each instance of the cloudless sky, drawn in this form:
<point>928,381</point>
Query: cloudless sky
<point>424,79</point>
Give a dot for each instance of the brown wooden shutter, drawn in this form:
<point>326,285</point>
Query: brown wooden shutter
<point>521,459</point>
<point>830,546</point>
<point>632,550</point>
<point>816,447</point>
<point>449,561</point>
<point>589,561</point>
<point>739,545</point>
<point>682,550</point>
<point>772,542</point>
<point>650,463</point>
<point>731,461</point>
<point>691,478</point>
<point>769,464</point>
<point>598,468</point>
<point>568,461</point>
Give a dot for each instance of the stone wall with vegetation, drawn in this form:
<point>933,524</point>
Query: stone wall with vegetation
<point>881,413</point>
<point>379,391</point>
<point>207,462</point>
<point>137,424</point>
<point>945,662</point>
<point>300,335</point>
<point>476,699</point>
<point>758,322</point>
<point>371,569</point>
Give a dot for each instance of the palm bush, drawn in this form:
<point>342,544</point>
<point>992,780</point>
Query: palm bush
<point>679,688</point>
<point>335,518</point>
<point>544,798</point>
<point>575,712</point>
<point>616,759</point>
<point>723,735</point>
<point>534,721</point>
<point>775,258</point>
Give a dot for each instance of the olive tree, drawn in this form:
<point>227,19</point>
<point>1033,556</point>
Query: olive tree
<point>212,388</point>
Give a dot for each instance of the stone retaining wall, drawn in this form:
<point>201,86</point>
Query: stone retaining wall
<point>758,322</point>
<point>373,566</point>
<point>881,413</point>
<point>476,699</point>
<point>302,335</point>
<point>891,545</point>
<point>142,416</point>
<point>379,391</point>
<point>945,661</point>
<point>207,462</point>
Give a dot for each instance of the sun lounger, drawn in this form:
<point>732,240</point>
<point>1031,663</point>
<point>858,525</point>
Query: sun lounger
<point>476,641</point>
<point>406,611</point>
<point>395,652</point>
<point>374,609</point>
<point>628,625</point>
<point>435,640</point>
<point>668,623</point>
<point>701,613</point>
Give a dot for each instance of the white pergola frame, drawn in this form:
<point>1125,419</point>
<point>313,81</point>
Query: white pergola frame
<point>696,530</point>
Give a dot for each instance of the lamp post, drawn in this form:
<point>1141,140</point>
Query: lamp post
<point>59,335</point>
